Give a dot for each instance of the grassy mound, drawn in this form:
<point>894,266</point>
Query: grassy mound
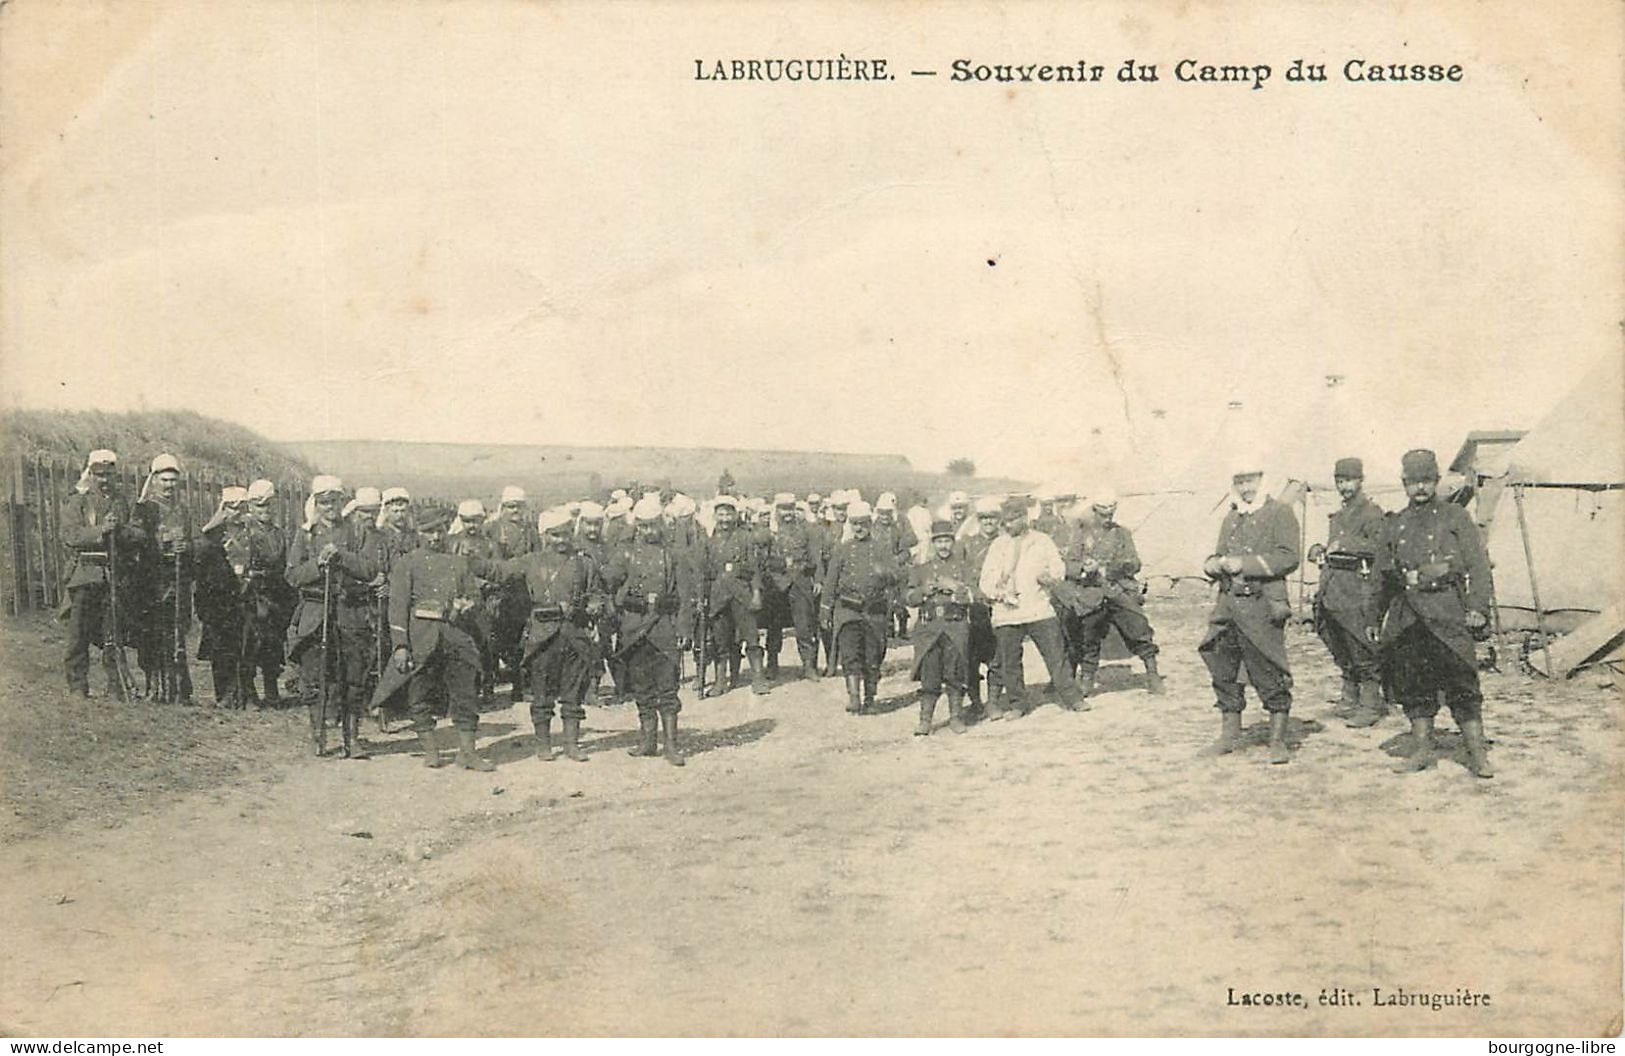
<point>201,443</point>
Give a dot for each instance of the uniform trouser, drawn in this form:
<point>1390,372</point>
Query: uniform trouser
<point>608,629</point>
<point>443,675</point>
<point>1046,634</point>
<point>508,638</point>
<point>1421,666</point>
<point>346,678</point>
<point>984,648</point>
<point>231,659</point>
<point>804,618</point>
<point>1354,656</point>
<point>942,666</point>
<point>558,674</point>
<point>87,624</point>
<point>735,624</point>
<point>1226,655</point>
<point>854,644</point>
<point>651,677</point>
<point>1091,630</point>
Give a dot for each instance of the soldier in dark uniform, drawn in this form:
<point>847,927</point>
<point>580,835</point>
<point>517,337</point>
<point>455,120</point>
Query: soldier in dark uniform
<point>231,563</point>
<point>735,596</point>
<point>1256,550</point>
<point>942,590</point>
<point>655,599</point>
<point>470,537</point>
<point>168,560</point>
<point>432,594</point>
<point>1102,560</point>
<point>560,589</point>
<point>513,534</point>
<point>1346,599</point>
<point>329,562</point>
<point>590,542</point>
<point>1435,593</point>
<point>794,566</point>
<point>388,537</point>
<point>895,532</point>
<point>984,649</point>
<point>96,527</point>
<point>280,597</point>
<point>858,584</point>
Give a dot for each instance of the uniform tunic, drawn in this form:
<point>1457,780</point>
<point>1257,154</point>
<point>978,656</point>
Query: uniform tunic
<point>983,644</point>
<point>1346,600</point>
<point>168,572</point>
<point>1102,561</point>
<point>1247,625</point>
<point>941,589</point>
<point>1433,570</point>
<point>735,575</point>
<point>794,563</point>
<point>432,595</point>
<point>349,620</point>
<point>858,583</point>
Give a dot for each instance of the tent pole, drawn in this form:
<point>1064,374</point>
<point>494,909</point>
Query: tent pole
<point>1303,543</point>
<point>1534,587</point>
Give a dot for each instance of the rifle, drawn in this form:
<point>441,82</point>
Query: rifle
<point>121,663</point>
<point>177,634</point>
<point>327,660</point>
<point>701,633</point>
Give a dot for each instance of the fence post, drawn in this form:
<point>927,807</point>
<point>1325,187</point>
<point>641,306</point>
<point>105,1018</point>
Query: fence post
<point>16,508</point>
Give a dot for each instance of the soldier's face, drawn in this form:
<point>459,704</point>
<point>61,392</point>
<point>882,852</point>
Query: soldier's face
<point>472,525</point>
<point>163,485</point>
<point>885,517</point>
<point>592,531</point>
<point>559,539</point>
<point>329,503</point>
<point>1348,487</point>
<point>367,513</point>
<point>260,509</point>
<point>395,512</point>
<point>512,510</point>
<point>860,528</point>
<point>944,546</point>
<point>989,524</point>
<point>1246,485</point>
<point>433,538</point>
<point>788,517</point>
<point>102,474</point>
<point>1422,490</point>
<point>650,531</point>
<point>1015,523</point>
<point>727,517</point>
<point>1104,514</point>
<point>959,513</point>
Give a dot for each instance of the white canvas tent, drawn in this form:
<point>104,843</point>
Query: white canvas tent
<point>1562,536</point>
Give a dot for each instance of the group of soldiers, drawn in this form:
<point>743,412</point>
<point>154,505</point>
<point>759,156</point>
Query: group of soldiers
<point>392,609</point>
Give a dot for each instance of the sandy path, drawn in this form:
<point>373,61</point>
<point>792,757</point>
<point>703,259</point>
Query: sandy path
<point>814,873</point>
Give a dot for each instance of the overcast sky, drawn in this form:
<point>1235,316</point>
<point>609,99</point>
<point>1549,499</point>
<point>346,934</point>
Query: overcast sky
<point>529,223</point>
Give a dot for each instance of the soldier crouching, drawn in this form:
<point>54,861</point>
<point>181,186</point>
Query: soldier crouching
<point>432,594</point>
<point>655,598</point>
<point>941,590</point>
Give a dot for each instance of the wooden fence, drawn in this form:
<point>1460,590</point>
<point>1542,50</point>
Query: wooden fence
<point>35,561</point>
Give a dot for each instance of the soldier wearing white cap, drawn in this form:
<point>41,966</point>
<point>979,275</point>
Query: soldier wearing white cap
<point>97,528</point>
<point>472,537</point>
<point>793,566</point>
<point>589,539</point>
<point>559,587</point>
<point>895,532</point>
<point>278,596</point>
<point>983,643</point>
<point>171,537</point>
<point>1102,565</point>
<point>234,559</point>
<point>332,568</point>
<point>654,597</point>
<point>513,533</point>
<point>859,585</point>
<point>364,506</point>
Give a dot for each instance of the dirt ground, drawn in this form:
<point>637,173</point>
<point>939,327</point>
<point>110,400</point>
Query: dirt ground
<point>809,872</point>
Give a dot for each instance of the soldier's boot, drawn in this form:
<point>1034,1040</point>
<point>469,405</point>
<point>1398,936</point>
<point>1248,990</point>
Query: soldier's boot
<point>928,708</point>
<point>1421,757</point>
<point>1229,734</point>
<point>871,686</point>
<point>974,690</point>
<point>468,757</point>
<point>544,739</point>
<point>431,751</point>
<point>668,720</point>
<point>1153,678</point>
<point>273,692</point>
<point>1350,703</point>
<point>1086,682</point>
<point>854,694</point>
<point>1372,710</point>
<point>318,736</point>
<point>517,695</point>
<point>758,680</point>
<point>1478,754</point>
<point>809,661</point>
<point>956,709</point>
<point>648,735</point>
<point>995,702</point>
<point>1278,749</point>
<point>572,741</point>
<point>772,662</point>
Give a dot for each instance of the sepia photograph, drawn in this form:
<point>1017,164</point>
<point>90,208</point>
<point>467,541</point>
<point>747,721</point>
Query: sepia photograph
<point>846,518</point>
